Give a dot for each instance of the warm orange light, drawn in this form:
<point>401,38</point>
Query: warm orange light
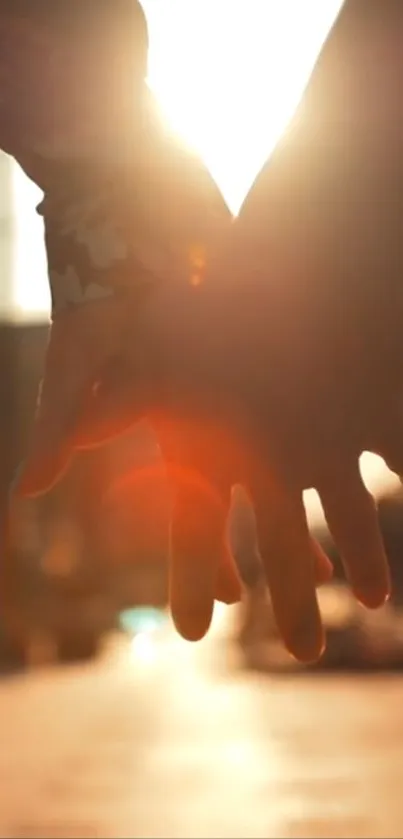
<point>198,263</point>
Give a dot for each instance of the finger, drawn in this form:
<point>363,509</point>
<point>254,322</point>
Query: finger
<point>287,556</point>
<point>50,448</point>
<point>80,342</point>
<point>243,537</point>
<point>352,519</point>
<point>67,376</point>
<point>200,567</point>
<point>388,442</point>
<point>322,564</point>
<point>197,552</point>
<point>228,587</point>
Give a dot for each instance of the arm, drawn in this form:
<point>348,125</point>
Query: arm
<point>124,205</point>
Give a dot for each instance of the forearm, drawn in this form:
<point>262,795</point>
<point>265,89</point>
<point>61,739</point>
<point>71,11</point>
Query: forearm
<point>124,206</point>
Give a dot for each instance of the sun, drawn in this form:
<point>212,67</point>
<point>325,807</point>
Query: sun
<point>228,75</point>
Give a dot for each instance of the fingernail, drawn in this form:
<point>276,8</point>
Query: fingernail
<point>228,589</point>
<point>373,597</point>
<point>229,599</point>
<point>192,624</point>
<point>192,608</point>
<point>307,640</point>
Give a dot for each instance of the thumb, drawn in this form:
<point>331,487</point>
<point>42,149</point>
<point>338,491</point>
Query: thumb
<point>69,374</point>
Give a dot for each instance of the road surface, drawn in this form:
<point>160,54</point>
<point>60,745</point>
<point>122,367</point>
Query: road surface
<point>162,739</point>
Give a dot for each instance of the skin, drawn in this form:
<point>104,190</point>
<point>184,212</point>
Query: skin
<point>275,402</point>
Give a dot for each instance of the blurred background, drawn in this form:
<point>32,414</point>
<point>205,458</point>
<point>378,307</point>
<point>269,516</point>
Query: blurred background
<point>111,725</point>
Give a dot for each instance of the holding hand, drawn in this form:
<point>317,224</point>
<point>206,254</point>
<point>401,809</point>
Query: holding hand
<point>222,420</point>
<point>276,371</point>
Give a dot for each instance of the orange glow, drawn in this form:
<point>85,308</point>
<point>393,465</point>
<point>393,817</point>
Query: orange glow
<point>136,479</point>
<point>191,452</point>
<point>198,262</point>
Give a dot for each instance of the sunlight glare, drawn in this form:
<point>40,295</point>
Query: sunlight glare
<point>229,74</point>
<point>31,296</point>
<point>144,648</point>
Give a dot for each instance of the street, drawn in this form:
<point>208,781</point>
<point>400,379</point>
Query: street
<point>163,739</point>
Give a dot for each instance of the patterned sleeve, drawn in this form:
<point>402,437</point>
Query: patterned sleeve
<point>124,206</point>
<point>42,127</point>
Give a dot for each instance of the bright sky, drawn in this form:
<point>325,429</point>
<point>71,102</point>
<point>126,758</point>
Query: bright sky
<point>228,75</point>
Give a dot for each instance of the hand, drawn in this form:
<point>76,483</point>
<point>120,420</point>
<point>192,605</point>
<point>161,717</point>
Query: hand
<point>167,238</point>
<point>199,549</point>
<point>297,442</point>
<point>291,452</point>
<point>156,218</point>
<point>315,267</point>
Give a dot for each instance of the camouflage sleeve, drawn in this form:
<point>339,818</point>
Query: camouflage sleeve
<point>121,225</point>
<point>54,121</point>
<point>124,235</point>
<point>125,206</point>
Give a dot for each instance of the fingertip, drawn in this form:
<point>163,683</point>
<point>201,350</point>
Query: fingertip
<point>301,626</point>
<point>229,597</point>
<point>323,566</point>
<point>373,596</point>
<point>197,549</point>
<point>191,591</point>
<point>192,620</point>
<point>306,642</point>
<point>228,588</point>
<point>352,519</point>
<point>291,560</point>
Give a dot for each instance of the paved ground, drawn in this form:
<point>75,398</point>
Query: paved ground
<point>165,741</point>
